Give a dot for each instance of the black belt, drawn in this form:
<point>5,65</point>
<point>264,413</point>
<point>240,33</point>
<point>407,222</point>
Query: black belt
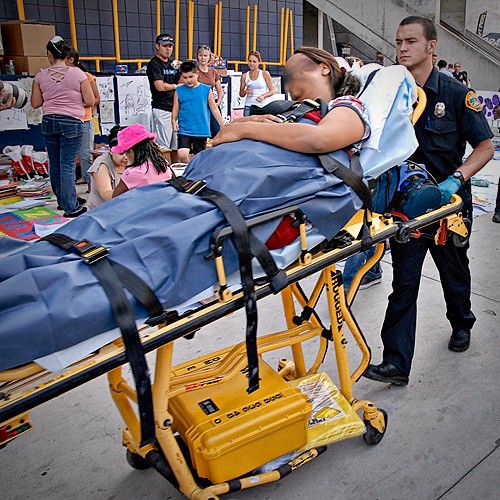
<point>247,246</point>
<point>113,277</point>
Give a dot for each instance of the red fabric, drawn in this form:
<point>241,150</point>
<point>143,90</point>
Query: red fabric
<point>284,234</point>
<point>314,116</point>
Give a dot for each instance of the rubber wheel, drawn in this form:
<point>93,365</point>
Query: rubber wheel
<point>372,436</point>
<point>136,461</point>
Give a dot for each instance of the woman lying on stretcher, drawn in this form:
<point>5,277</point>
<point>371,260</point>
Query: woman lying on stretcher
<point>309,74</point>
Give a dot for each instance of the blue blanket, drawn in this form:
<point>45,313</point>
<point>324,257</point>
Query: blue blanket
<point>50,299</point>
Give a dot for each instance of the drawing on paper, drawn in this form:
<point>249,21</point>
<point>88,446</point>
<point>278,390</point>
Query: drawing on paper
<point>105,87</point>
<point>134,98</point>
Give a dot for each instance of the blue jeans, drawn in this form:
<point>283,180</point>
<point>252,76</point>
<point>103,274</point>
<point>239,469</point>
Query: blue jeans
<point>246,111</point>
<point>62,135</point>
<point>354,263</point>
<point>86,146</point>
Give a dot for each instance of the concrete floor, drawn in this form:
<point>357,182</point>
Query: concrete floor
<point>443,434</point>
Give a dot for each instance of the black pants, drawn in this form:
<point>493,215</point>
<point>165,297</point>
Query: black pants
<point>398,329</point>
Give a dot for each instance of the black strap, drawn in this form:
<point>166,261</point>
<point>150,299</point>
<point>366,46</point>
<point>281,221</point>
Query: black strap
<point>290,111</point>
<point>368,81</point>
<point>108,275</point>
<point>350,177</point>
<point>247,246</point>
<point>242,243</point>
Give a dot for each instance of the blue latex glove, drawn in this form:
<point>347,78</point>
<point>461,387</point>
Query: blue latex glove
<point>448,187</point>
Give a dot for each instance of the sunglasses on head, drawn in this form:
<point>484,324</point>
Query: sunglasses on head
<point>203,47</point>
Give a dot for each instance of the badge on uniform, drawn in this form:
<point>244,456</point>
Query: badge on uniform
<point>439,110</point>
<point>472,101</point>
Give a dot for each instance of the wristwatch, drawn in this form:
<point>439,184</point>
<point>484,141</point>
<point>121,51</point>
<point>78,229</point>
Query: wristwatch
<point>458,175</point>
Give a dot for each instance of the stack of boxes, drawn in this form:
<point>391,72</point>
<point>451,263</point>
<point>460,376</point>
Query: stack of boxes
<point>25,44</point>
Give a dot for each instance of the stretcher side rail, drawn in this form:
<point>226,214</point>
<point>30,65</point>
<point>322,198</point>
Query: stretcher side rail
<point>18,402</point>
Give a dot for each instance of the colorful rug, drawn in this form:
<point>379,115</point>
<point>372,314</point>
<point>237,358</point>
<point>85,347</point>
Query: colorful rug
<point>20,223</point>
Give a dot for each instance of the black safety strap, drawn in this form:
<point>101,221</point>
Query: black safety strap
<point>277,277</point>
<point>110,276</point>
<point>247,245</point>
<point>288,111</point>
<point>349,176</point>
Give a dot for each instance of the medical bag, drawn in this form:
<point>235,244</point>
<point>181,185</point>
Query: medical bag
<point>407,188</point>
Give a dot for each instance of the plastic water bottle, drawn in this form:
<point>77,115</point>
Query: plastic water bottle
<point>9,68</point>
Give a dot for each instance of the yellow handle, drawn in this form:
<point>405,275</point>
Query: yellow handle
<point>421,103</point>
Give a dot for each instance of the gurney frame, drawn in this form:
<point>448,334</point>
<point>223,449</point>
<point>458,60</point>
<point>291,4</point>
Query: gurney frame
<point>26,387</point>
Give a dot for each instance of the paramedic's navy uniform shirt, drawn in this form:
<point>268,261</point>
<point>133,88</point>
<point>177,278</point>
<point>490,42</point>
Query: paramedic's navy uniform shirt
<point>161,70</point>
<point>442,138</point>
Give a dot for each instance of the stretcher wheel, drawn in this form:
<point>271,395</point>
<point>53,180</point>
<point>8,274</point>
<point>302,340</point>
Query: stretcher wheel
<point>136,461</point>
<point>373,436</point>
<point>459,240</point>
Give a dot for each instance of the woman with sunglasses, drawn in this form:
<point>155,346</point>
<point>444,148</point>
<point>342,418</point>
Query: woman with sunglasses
<point>209,76</point>
<point>256,84</point>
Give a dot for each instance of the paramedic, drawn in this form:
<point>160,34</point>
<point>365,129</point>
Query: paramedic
<point>163,76</point>
<point>452,117</point>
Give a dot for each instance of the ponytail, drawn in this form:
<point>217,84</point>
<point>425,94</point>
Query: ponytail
<point>348,84</point>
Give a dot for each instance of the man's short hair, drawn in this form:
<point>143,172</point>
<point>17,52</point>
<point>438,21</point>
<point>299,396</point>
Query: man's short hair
<point>188,67</point>
<point>442,63</point>
<point>428,26</point>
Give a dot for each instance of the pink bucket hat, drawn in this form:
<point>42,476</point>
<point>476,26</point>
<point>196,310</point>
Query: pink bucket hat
<point>130,136</point>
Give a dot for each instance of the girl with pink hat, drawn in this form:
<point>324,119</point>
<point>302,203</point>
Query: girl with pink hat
<point>147,164</point>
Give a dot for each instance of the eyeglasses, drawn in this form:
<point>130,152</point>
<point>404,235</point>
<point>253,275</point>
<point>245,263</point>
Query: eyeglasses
<point>203,47</point>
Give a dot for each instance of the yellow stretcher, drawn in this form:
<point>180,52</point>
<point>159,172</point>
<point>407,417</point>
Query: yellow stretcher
<point>211,436</point>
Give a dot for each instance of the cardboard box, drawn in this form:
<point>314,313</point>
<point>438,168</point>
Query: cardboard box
<point>30,65</point>
<point>26,38</point>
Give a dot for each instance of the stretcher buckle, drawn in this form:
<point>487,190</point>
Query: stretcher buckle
<point>89,251</point>
<point>187,185</point>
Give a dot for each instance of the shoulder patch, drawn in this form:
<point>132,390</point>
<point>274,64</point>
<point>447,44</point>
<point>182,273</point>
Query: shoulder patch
<point>472,101</point>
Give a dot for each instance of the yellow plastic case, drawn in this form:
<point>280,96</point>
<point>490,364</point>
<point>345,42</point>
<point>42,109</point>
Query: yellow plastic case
<point>230,432</point>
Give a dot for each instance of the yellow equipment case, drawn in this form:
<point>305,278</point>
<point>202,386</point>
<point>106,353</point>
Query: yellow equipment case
<point>230,432</point>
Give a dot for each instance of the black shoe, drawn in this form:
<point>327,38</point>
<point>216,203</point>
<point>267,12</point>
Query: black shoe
<point>496,217</point>
<point>82,201</point>
<point>76,213</point>
<point>386,372</point>
<point>459,341</point>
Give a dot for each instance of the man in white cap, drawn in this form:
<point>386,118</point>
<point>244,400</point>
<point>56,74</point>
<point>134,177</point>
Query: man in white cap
<point>163,76</point>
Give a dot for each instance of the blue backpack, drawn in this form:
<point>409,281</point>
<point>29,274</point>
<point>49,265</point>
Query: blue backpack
<point>407,188</point>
